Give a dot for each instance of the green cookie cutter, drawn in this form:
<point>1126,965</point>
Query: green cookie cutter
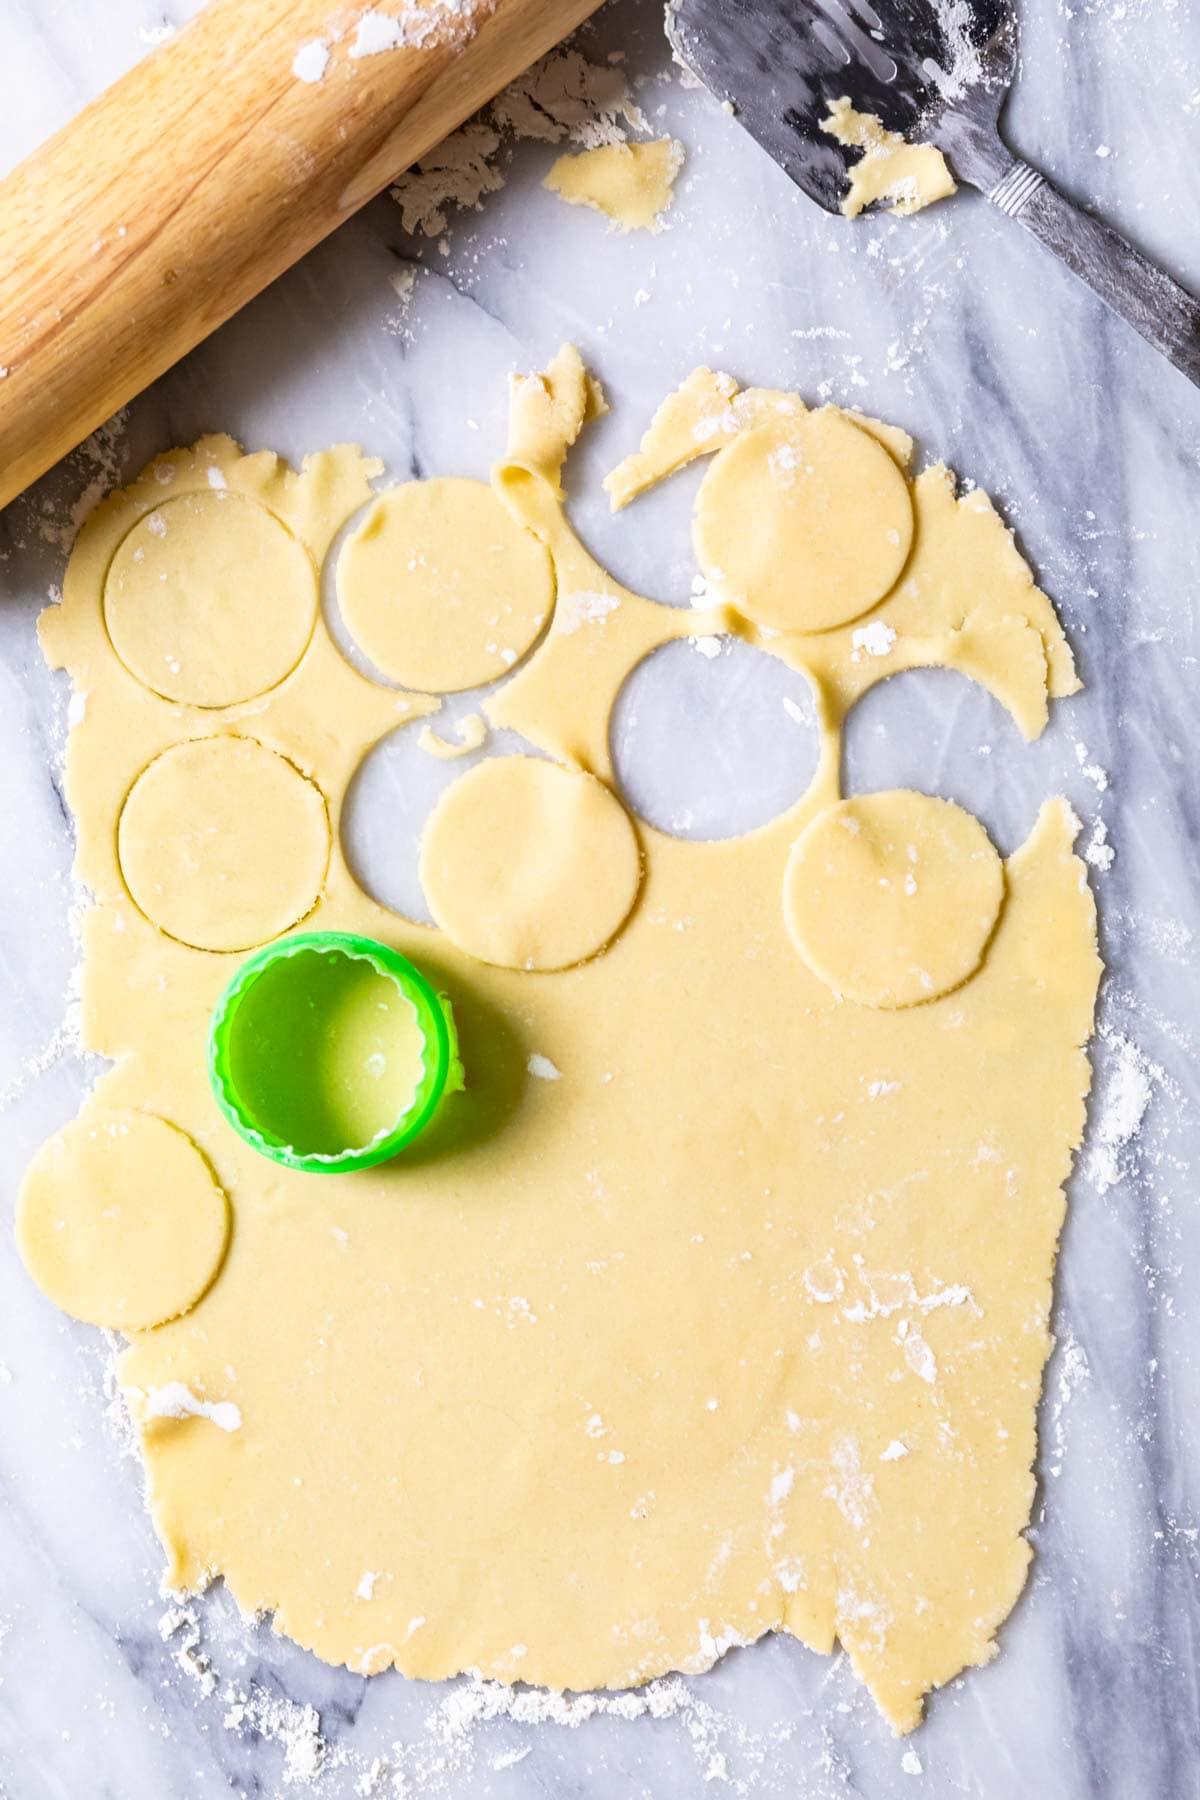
<point>247,1048</point>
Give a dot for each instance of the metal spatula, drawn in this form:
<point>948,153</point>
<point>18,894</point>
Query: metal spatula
<point>935,70</point>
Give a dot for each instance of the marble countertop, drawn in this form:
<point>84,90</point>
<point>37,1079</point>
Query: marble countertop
<point>956,326</point>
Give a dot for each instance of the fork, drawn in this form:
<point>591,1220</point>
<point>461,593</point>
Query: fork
<point>935,69</point>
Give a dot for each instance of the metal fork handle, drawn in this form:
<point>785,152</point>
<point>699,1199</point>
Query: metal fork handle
<point>1165,314</point>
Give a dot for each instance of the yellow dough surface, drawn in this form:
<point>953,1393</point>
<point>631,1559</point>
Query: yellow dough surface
<point>210,599</point>
<point>440,588</point>
<point>891,898</point>
<point>121,1221</point>
<point>718,1302</point>
<point>907,177</point>
<point>223,843</point>
<point>631,184</point>
<point>529,865</point>
<point>804,524</point>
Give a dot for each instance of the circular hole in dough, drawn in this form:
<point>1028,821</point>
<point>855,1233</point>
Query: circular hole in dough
<point>805,525</point>
<point>529,865</point>
<point>223,843</point>
<point>440,588</point>
<point>891,898</point>
<point>210,600</point>
<point>712,738</point>
<point>120,1220</point>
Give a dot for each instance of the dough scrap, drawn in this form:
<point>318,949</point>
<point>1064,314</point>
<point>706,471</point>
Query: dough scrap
<point>471,732</point>
<point>909,176</point>
<point>548,411</point>
<point>805,524</point>
<point>631,184</point>
<point>184,600</point>
<point>740,1189</point>
<point>120,1220</point>
<point>892,898</point>
<point>440,588</point>
<point>223,843</point>
<point>528,865</point>
<point>966,599</point>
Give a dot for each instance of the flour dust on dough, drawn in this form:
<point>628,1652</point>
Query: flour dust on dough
<point>608,1371</point>
<point>905,177</point>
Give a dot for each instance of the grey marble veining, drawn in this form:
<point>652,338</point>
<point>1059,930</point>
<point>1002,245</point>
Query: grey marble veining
<point>958,327</point>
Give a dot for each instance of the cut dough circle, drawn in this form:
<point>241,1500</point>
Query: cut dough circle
<point>210,600</point>
<point>120,1220</point>
<point>529,865</point>
<point>223,844</point>
<point>805,524</point>
<point>441,588</point>
<point>891,898</point>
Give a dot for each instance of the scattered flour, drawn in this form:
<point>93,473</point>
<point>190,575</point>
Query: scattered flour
<point>1098,852</point>
<point>175,1400</point>
<point>281,1721</point>
<point>1072,1371</point>
<point>311,61</point>
<point>964,68</point>
<point>1123,1094</point>
<point>875,639</point>
<point>420,26</point>
<point>562,97</point>
<point>584,608</point>
<point>543,1068</point>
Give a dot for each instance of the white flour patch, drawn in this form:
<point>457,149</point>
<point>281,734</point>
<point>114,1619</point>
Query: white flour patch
<point>281,1721</point>
<point>175,1400</point>
<point>1072,1371</point>
<point>311,61</point>
<point>1124,1090</point>
<point>584,608</point>
<point>875,639</point>
<point>1098,852</point>
<point>962,67</point>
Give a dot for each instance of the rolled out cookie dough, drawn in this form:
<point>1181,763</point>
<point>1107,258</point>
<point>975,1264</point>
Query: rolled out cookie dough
<point>223,843</point>
<point>608,1372</point>
<point>906,177</point>
<point>528,865</point>
<point>832,522</point>
<point>440,588</point>
<point>210,599</point>
<point>121,1220</point>
<point>891,898</point>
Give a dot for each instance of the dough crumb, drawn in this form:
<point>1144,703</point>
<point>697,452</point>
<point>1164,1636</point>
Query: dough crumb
<point>631,184</point>
<point>891,170</point>
<point>543,1068</point>
<point>472,735</point>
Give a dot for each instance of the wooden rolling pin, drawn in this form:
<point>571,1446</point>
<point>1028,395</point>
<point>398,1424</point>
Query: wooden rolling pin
<point>209,169</point>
